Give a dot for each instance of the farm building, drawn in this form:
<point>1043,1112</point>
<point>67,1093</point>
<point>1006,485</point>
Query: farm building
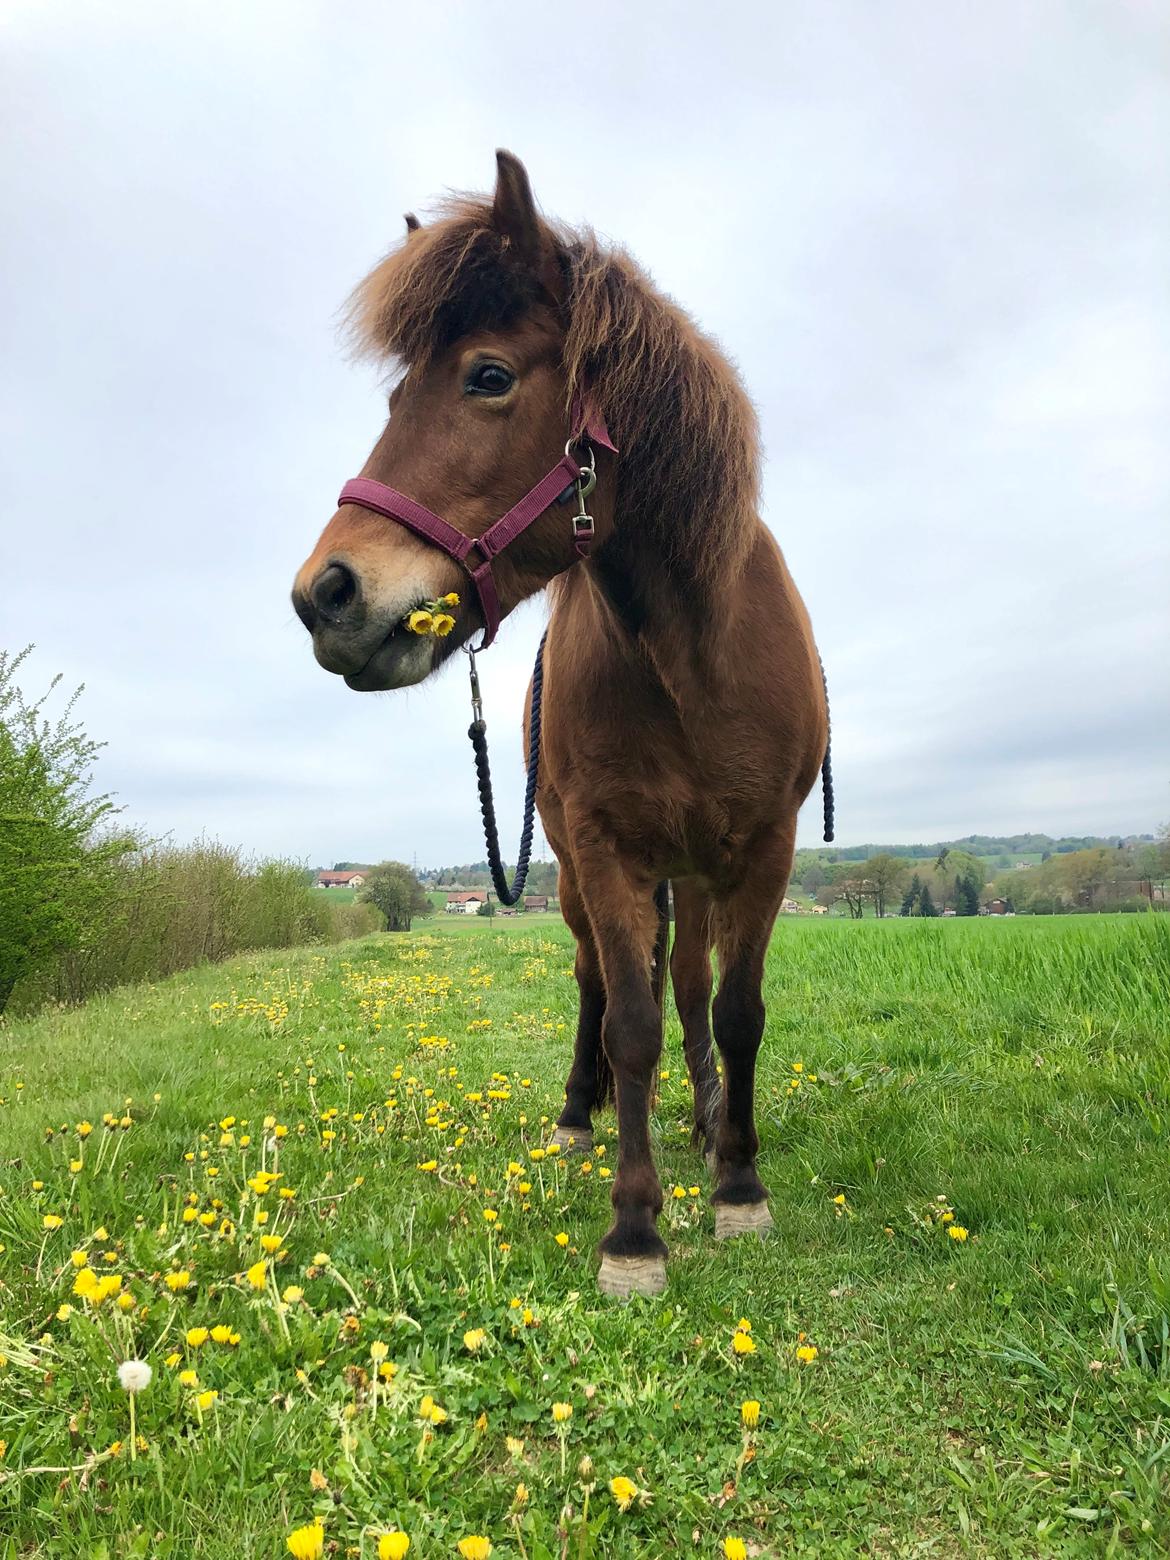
<point>467,901</point>
<point>340,879</point>
<point>536,901</point>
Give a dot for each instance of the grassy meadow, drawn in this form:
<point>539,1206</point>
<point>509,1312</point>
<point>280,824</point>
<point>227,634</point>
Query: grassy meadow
<point>310,1190</point>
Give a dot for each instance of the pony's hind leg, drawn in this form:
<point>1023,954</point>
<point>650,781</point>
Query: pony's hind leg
<point>590,1082</point>
<point>743,928</point>
<point>690,973</point>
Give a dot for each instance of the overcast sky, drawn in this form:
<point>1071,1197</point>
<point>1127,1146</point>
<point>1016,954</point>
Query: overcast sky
<point>935,237</point>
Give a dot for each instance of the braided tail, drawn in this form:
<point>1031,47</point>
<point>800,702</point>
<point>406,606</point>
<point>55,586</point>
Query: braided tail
<point>509,893</point>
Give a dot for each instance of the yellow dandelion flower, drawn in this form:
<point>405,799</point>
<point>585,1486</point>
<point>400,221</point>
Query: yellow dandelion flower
<point>734,1549</point>
<point>743,1343</point>
<point>956,1232</point>
<point>52,1221</point>
<point>271,1243</point>
<point>515,1446</point>
<point>307,1543</point>
<point>64,1312</point>
<point>521,1496</point>
<point>451,599</point>
<point>78,1258</point>
<point>624,1491</point>
<point>206,1399</point>
<point>197,1337</point>
<point>221,1334</point>
<point>442,623</point>
<point>293,1294</point>
<point>257,1274</point>
<point>473,1340</point>
<point>490,1215</point>
<point>749,1412</point>
<point>172,1360</point>
<point>562,1413</point>
<point>321,1259</point>
<point>177,1281</point>
<point>807,1353</point>
<point>840,1199</point>
<point>189,1378</point>
<point>393,1546</point>
<point>419,622</point>
<point>475,1547</point>
<point>561,1238</point>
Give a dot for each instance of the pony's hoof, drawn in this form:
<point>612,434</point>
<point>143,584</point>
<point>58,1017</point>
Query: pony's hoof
<point>741,1219</point>
<point>626,1276</point>
<point>573,1140</point>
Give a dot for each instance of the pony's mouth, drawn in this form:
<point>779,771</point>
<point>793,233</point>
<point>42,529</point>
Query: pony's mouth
<point>401,659</point>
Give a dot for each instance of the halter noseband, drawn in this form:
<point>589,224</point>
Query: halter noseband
<point>556,486</point>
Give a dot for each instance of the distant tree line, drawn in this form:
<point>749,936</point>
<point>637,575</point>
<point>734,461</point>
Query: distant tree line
<point>1129,876</point>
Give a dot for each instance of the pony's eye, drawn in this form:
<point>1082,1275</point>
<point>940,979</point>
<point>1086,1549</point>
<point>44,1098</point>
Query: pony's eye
<point>490,379</point>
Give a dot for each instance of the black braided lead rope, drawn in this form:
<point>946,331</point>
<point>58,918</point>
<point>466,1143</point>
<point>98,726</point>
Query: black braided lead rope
<point>827,766</point>
<point>509,893</point>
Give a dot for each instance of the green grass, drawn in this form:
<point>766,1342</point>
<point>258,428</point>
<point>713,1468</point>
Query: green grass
<point>1004,1395</point>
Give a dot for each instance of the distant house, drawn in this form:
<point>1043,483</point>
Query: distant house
<point>790,907</point>
<point>536,901</point>
<point>466,901</point>
<point>340,879</point>
<point>997,907</point>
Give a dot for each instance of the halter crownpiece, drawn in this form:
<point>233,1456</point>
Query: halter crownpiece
<point>556,486</point>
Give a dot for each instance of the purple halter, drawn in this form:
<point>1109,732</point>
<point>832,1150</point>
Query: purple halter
<point>556,485</point>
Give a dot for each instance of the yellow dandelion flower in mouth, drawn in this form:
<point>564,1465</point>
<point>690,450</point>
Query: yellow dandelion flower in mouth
<point>307,1543</point>
<point>451,599</point>
<point>562,1413</point>
<point>420,622</point>
<point>624,1491</point>
<point>393,1546</point>
<point>749,1412</point>
<point>475,1547</point>
<point>442,624</point>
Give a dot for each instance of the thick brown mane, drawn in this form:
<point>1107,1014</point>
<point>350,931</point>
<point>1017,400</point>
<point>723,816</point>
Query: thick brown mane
<point>688,475</point>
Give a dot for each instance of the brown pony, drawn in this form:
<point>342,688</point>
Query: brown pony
<point>684,710</point>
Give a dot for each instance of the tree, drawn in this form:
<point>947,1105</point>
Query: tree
<point>487,908</point>
<point>56,869</point>
<point>884,874</point>
<point>814,879</point>
<point>926,901</point>
<point>394,890</point>
<point>913,896</point>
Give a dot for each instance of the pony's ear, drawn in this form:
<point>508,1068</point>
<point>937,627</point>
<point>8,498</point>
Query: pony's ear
<point>515,216</point>
<point>412,223</point>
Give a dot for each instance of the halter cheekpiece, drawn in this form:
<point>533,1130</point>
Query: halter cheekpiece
<point>566,479</point>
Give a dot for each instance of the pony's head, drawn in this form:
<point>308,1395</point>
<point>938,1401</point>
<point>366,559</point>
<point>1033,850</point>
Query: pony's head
<point>473,308</point>
<point>500,325</point>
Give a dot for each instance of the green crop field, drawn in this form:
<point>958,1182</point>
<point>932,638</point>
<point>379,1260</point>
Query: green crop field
<point>317,1192</point>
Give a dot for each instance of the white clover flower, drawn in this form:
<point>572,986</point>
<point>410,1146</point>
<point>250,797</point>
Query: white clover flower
<point>134,1375</point>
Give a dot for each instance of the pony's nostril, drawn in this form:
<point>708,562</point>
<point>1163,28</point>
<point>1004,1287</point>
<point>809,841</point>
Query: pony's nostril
<point>334,590</point>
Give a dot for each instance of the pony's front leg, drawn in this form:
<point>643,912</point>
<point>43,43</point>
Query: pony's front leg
<point>625,924</point>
